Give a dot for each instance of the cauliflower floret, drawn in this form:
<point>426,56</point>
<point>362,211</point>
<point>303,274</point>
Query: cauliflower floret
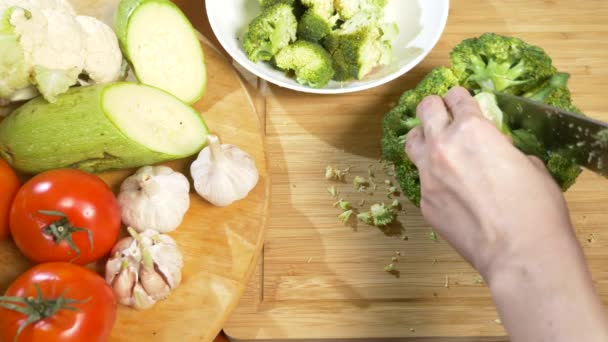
<point>53,47</point>
<point>103,59</point>
<point>48,43</point>
<point>14,72</point>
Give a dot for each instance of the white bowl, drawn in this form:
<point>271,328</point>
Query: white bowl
<point>421,23</point>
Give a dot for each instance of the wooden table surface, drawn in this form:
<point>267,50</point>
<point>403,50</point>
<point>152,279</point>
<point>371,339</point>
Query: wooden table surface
<point>574,34</point>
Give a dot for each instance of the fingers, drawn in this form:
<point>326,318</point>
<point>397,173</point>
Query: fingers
<point>434,115</point>
<point>414,145</point>
<point>461,104</point>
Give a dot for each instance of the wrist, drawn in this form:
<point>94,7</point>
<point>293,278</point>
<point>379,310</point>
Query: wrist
<point>546,259</point>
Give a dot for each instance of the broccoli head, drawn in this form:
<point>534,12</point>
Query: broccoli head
<point>269,32</point>
<point>310,62</point>
<point>475,62</point>
<point>506,64</point>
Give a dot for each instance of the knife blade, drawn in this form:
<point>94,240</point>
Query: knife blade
<point>582,138</point>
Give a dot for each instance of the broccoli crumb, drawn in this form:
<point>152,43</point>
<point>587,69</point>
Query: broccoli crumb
<point>395,259</point>
<point>370,171</point>
<point>404,237</point>
<point>433,236</point>
<point>362,202</point>
<point>333,191</point>
<point>381,215</point>
<point>412,330</point>
<point>396,205</point>
<point>365,217</point>
<point>360,183</point>
<point>392,191</point>
<point>332,173</point>
<point>477,279</point>
<point>392,269</point>
<point>344,205</point>
<point>434,261</point>
<point>388,182</point>
<point>498,321</point>
<point>345,216</point>
<point>446,284</point>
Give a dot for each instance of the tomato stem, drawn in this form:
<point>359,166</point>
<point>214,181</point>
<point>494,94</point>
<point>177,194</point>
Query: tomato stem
<point>38,308</point>
<point>62,230</point>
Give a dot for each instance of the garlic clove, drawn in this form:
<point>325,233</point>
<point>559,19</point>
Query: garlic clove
<point>141,300</point>
<point>123,285</point>
<point>153,283</point>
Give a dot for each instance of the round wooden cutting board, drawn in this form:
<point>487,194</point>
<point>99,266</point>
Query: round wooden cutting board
<point>220,245</point>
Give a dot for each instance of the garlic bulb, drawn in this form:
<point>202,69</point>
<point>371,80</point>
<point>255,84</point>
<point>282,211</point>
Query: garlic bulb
<point>223,173</point>
<point>144,268</point>
<point>155,197</point>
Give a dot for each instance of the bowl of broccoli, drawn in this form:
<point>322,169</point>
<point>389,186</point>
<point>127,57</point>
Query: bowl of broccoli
<point>328,46</point>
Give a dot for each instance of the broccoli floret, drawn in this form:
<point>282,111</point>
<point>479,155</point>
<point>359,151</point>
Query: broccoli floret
<point>324,8</point>
<point>354,54</point>
<point>271,31</point>
<point>311,63</point>
<point>270,3</point>
<point>506,64</point>
<point>314,26</point>
<point>360,44</point>
<point>348,8</point>
<point>554,92</point>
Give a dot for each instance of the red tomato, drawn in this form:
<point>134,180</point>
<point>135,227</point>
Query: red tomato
<point>65,215</point>
<point>9,184</point>
<point>85,305</point>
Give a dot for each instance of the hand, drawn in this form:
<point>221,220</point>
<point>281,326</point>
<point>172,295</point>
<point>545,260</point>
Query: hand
<point>504,213</point>
<point>479,192</point>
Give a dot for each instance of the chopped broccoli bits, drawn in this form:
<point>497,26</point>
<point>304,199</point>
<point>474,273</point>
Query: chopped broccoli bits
<point>485,64</point>
<point>321,40</point>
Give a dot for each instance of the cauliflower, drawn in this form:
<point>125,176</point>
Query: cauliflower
<point>49,47</point>
<point>103,59</point>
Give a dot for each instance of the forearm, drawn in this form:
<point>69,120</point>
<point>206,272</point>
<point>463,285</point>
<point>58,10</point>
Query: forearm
<point>547,294</point>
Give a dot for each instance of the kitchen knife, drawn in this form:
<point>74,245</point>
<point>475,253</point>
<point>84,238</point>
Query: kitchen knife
<point>579,137</point>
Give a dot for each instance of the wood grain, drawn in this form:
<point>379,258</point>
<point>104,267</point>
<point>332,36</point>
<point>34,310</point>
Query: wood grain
<point>321,280</point>
<point>220,245</point>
